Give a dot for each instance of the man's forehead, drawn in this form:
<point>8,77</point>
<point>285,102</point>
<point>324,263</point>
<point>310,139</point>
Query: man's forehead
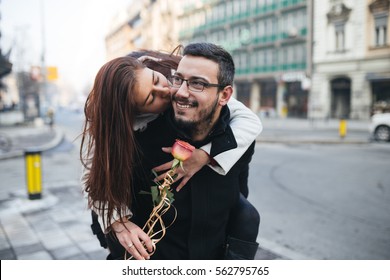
<point>197,66</point>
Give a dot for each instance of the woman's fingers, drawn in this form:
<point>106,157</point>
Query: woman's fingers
<point>142,242</point>
<point>182,183</point>
<point>160,177</point>
<point>147,242</point>
<point>138,250</point>
<point>147,57</point>
<point>133,250</point>
<point>134,240</point>
<point>164,166</point>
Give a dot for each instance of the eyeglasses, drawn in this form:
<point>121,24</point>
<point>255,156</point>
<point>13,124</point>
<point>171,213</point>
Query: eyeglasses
<point>192,84</point>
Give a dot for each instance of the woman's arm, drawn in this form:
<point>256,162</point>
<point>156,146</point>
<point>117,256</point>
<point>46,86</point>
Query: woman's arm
<point>246,126</point>
<point>133,239</point>
<point>129,235</point>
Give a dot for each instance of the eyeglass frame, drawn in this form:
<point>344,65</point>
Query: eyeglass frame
<point>205,84</point>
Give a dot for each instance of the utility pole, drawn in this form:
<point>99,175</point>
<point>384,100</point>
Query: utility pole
<point>5,64</point>
<point>43,93</point>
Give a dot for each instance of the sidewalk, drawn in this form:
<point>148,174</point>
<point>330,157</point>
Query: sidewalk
<point>304,131</point>
<point>275,130</point>
<point>57,226</point>
<point>30,136</point>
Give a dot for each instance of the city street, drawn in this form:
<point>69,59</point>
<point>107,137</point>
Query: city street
<point>329,201</point>
<point>323,201</point>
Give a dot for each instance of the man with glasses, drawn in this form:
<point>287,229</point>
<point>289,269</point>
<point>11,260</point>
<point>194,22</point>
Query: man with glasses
<point>200,88</point>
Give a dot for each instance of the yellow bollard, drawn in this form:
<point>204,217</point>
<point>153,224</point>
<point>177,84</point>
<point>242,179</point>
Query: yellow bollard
<point>343,128</point>
<point>33,174</point>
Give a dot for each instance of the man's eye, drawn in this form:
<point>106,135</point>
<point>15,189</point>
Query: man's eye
<point>197,83</point>
<point>176,80</point>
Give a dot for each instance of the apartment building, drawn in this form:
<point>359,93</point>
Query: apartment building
<point>294,58</point>
<point>351,58</point>
<point>150,24</point>
<point>269,40</point>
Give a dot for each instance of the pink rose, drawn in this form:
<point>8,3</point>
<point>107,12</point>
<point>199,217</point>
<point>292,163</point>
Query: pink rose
<point>181,150</point>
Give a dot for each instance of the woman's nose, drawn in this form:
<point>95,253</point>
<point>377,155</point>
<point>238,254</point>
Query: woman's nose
<point>163,90</point>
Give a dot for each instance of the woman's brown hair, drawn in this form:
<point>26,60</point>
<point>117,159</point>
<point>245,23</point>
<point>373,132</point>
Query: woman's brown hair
<point>108,147</point>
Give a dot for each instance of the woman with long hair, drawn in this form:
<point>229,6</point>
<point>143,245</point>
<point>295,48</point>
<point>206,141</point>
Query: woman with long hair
<point>127,94</point>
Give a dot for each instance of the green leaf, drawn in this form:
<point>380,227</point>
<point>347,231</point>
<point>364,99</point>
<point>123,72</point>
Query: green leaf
<point>175,163</point>
<point>145,192</point>
<point>155,195</point>
<point>170,196</point>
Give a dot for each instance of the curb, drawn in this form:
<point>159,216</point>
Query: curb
<point>281,252</point>
<point>59,136</point>
<point>313,141</point>
<point>22,205</point>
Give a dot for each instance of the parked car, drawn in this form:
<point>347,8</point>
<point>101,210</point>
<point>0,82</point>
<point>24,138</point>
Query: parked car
<point>380,126</point>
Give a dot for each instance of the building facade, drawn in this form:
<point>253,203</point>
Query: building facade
<point>351,58</point>
<point>294,58</point>
<point>269,41</point>
<point>146,24</point>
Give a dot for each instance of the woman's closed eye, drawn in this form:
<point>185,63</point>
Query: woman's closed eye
<point>151,97</point>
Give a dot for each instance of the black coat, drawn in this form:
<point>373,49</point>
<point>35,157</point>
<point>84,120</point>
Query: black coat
<point>204,203</point>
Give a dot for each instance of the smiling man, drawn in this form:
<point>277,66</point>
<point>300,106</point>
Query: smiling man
<point>197,103</point>
<point>198,222</point>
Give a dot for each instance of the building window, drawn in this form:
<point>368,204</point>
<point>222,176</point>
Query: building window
<point>339,16</point>
<point>380,12</point>
<point>244,61</point>
<point>229,9</point>
<point>381,31</point>
<point>236,7</point>
<point>138,41</point>
<point>260,3</point>
<point>340,37</point>
<point>243,6</point>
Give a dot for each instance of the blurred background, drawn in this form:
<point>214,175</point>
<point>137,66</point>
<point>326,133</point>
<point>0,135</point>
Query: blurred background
<point>294,58</point>
<point>315,72</point>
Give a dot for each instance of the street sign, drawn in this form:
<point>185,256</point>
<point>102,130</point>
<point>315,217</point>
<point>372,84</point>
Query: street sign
<point>52,73</point>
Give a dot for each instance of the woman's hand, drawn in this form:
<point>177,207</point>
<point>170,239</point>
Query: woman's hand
<point>147,57</point>
<point>198,159</point>
<point>133,239</point>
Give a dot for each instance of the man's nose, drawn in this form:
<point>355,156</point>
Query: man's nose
<point>183,90</point>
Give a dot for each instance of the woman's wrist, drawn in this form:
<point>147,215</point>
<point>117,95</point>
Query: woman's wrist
<point>210,160</point>
<point>118,226</point>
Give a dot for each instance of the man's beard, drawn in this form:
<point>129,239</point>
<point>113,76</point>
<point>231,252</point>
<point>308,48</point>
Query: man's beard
<point>206,116</point>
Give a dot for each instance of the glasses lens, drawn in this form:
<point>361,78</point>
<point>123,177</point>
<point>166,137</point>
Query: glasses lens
<point>196,85</point>
<point>176,81</point>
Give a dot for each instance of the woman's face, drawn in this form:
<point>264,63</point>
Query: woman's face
<point>152,92</point>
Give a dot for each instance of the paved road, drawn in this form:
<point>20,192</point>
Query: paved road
<point>57,226</point>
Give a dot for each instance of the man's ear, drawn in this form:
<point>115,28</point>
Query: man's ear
<point>225,95</point>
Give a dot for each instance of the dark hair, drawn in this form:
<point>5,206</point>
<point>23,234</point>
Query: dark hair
<point>217,54</point>
<point>107,148</point>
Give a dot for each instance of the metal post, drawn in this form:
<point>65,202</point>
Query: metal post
<point>343,128</point>
<point>33,173</point>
